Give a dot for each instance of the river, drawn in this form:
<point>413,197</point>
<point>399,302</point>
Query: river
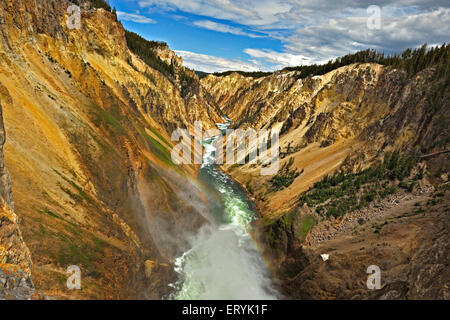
<point>223,262</point>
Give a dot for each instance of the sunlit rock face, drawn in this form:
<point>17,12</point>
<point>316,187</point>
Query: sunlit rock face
<point>89,127</point>
<point>15,258</point>
<point>346,118</point>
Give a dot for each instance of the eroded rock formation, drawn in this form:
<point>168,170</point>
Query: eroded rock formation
<point>15,257</point>
<point>347,120</point>
<point>88,150</point>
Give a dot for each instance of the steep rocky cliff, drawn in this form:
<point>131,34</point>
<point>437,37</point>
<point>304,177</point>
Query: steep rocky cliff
<point>88,149</point>
<point>334,195</point>
<point>348,118</point>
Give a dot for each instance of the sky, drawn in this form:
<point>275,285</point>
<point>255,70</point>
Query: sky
<point>267,35</point>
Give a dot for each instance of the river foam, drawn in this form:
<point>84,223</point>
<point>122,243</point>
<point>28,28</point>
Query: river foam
<point>223,262</point>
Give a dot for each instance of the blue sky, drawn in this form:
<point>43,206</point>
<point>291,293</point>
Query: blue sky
<point>250,35</point>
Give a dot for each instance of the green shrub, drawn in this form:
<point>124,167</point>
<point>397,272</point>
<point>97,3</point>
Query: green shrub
<point>101,4</point>
<point>145,50</point>
<point>285,177</point>
<point>338,194</point>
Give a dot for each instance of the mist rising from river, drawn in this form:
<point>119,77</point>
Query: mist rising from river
<point>223,262</point>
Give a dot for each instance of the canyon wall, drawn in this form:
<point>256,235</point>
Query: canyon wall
<point>88,150</point>
<point>341,125</point>
<point>347,118</point>
<point>87,163</point>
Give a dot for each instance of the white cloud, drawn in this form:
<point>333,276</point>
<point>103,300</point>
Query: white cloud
<point>282,13</point>
<point>134,17</point>
<point>331,39</point>
<point>219,27</point>
<point>207,63</point>
<point>313,31</point>
<point>279,59</point>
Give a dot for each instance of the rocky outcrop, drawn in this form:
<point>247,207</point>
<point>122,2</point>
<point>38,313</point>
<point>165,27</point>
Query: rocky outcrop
<point>15,258</point>
<point>410,248</point>
<point>168,56</point>
<point>5,179</point>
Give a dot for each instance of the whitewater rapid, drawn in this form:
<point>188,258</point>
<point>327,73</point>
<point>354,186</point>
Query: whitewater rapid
<point>223,262</point>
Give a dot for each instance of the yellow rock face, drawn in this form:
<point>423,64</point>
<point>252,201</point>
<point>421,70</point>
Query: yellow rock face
<point>88,148</point>
<point>346,117</point>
